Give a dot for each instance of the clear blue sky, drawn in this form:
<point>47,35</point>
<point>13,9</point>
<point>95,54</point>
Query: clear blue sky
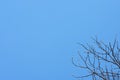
<point>38,37</point>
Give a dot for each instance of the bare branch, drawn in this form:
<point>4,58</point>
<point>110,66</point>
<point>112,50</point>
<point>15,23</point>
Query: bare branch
<point>98,59</point>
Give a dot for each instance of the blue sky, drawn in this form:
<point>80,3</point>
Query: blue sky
<point>38,37</point>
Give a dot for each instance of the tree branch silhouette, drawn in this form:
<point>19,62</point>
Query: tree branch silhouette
<point>102,61</point>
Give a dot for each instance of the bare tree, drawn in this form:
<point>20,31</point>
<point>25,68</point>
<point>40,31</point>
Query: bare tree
<point>101,61</point>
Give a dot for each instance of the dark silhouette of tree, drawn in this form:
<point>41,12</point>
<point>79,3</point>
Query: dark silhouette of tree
<point>100,60</point>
